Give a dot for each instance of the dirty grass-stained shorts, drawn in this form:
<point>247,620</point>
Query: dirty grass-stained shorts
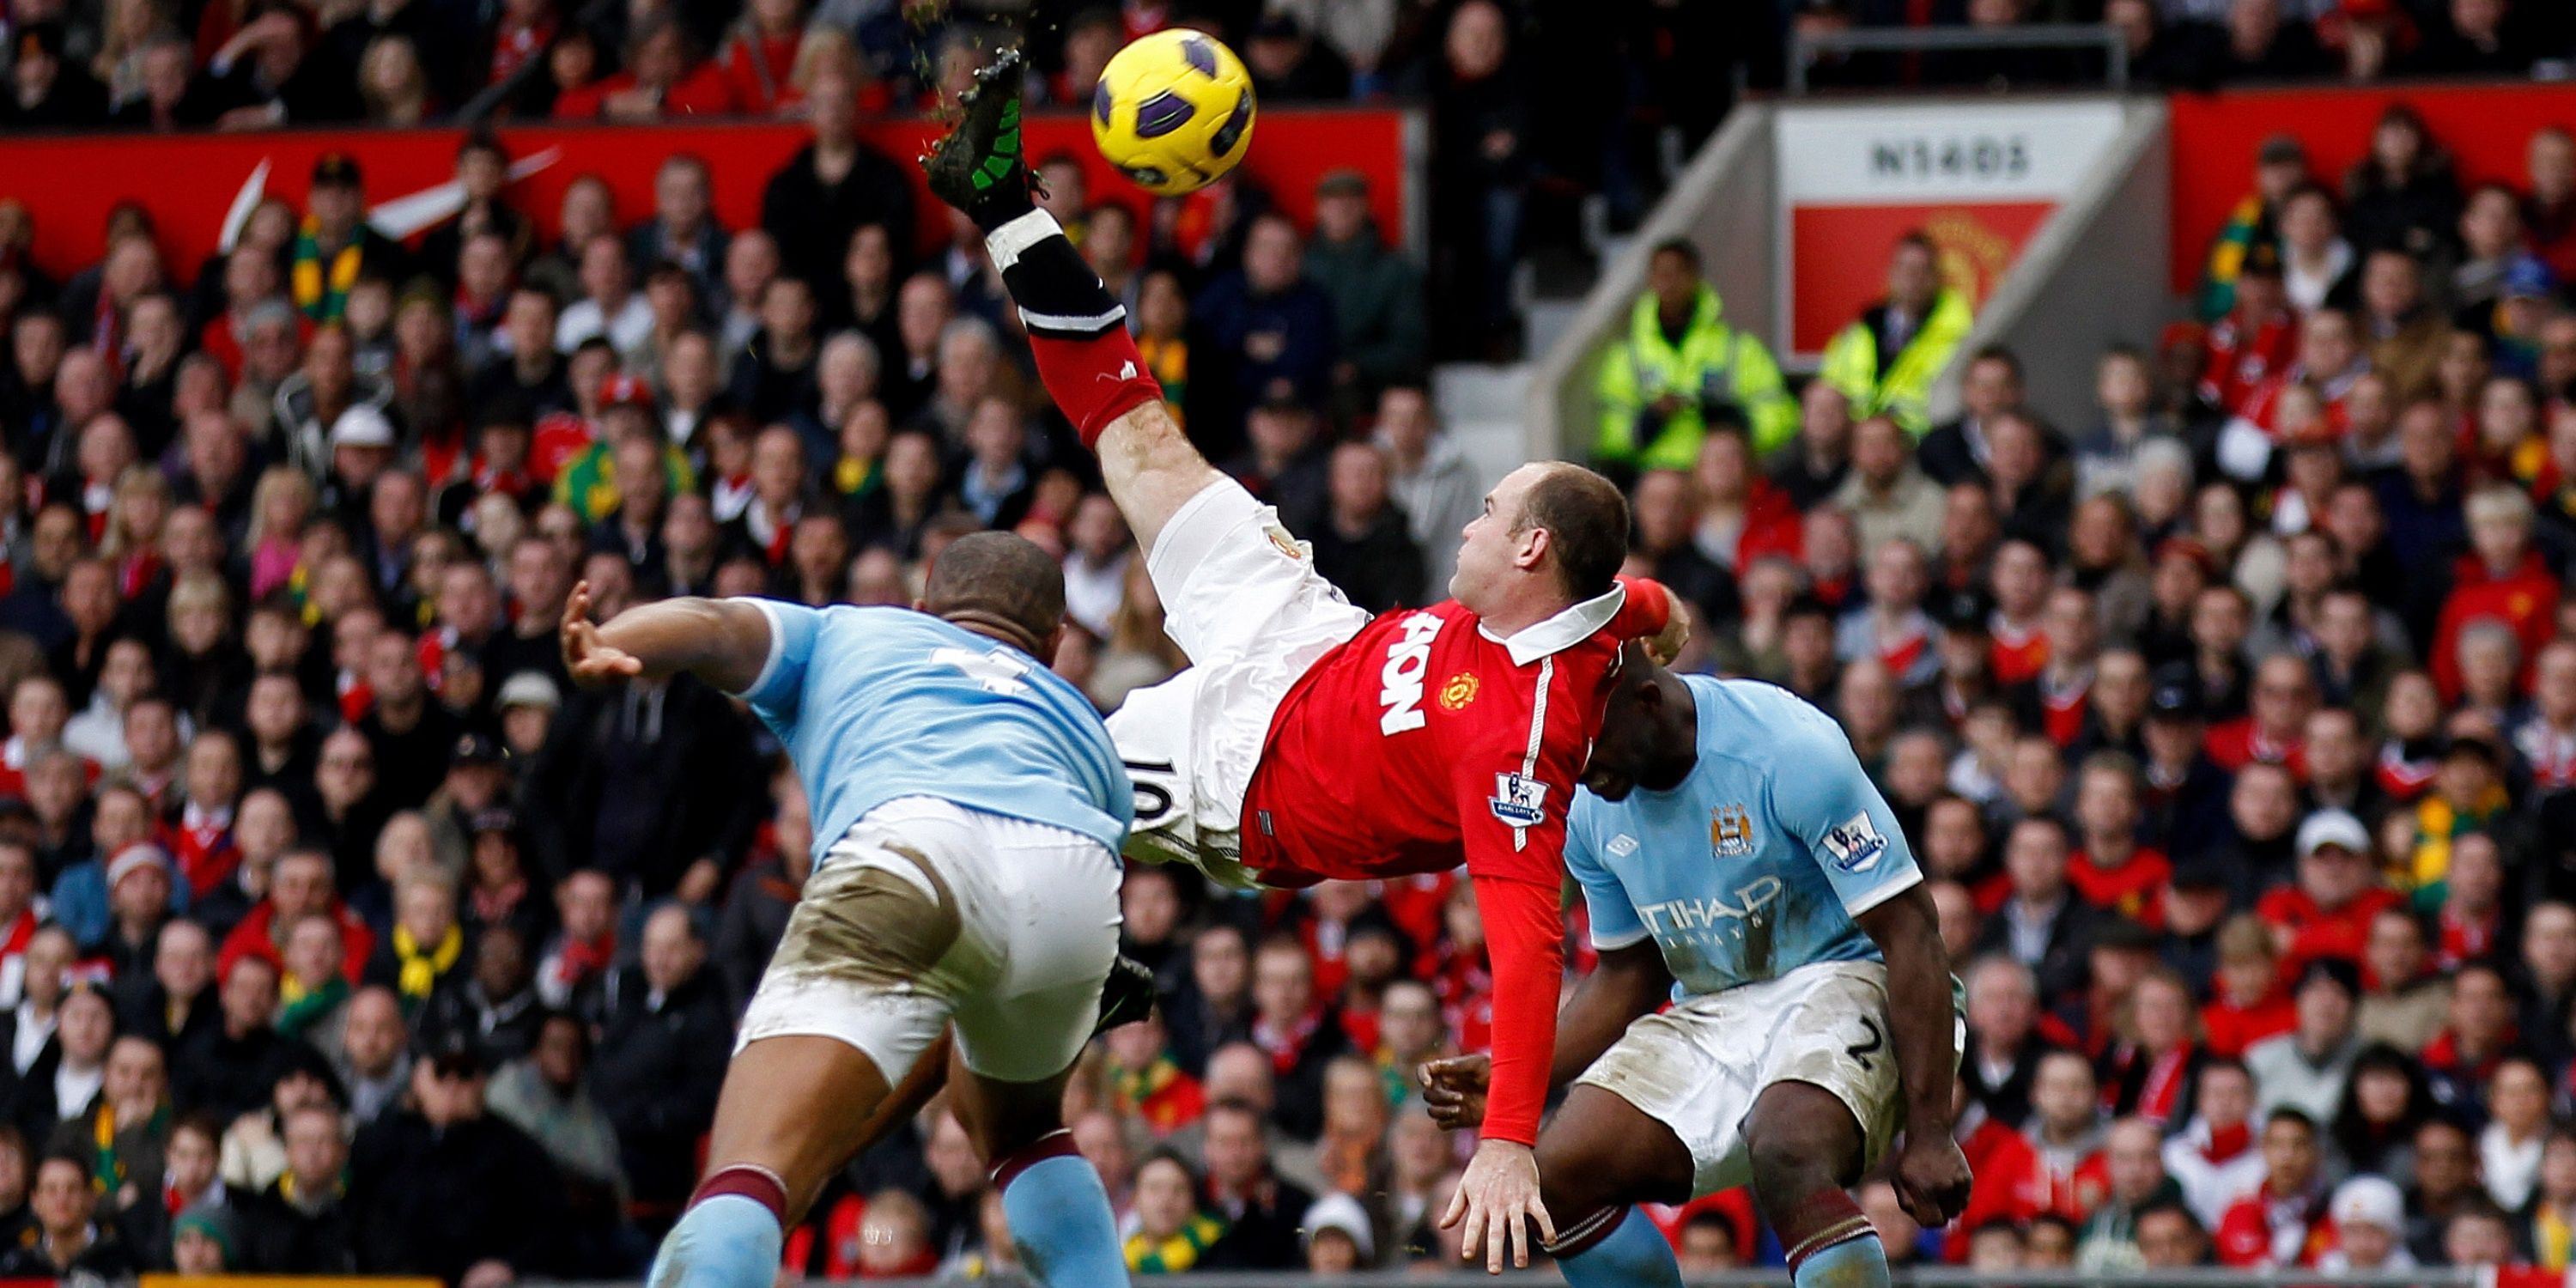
<point>927,911</point>
<point>1698,1067</point>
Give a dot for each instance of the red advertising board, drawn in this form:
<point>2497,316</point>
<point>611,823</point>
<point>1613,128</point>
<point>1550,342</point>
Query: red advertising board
<point>2486,128</point>
<point>189,181</point>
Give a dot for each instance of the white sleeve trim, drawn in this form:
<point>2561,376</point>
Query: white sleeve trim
<point>1611,943</point>
<point>1861,906</point>
<point>777,647</point>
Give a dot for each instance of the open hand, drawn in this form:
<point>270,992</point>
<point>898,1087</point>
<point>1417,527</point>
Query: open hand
<point>589,661</point>
<point>1498,1200</point>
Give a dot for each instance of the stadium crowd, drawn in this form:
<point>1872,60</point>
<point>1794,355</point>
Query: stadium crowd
<point>2233,720</point>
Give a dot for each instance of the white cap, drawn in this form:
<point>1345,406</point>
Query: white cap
<point>134,858</point>
<point>2369,1200</point>
<point>362,426</point>
<point>529,689</point>
<point>1339,1211</point>
<point>2333,827</point>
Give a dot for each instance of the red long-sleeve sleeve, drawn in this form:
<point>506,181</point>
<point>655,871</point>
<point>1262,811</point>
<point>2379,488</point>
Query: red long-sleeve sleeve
<point>1525,937</point>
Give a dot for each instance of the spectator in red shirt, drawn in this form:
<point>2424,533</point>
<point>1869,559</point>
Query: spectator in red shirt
<point>2283,1222</point>
<point>2502,577</point>
<point>2151,1071</point>
<point>2283,693</point>
<point>2328,912</point>
<point>664,77</point>
<point>2213,1158</point>
<point>1298,1029</point>
<point>300,885</point>
<point>2018,577</point>
<point>2066,1132</point>
<point>2247,1002</point>
<point>2112,871</point>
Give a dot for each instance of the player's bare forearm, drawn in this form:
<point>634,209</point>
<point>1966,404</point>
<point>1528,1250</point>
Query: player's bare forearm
<point>1920,1012</point>
<point>1628,982</point>
<point>723,642</point>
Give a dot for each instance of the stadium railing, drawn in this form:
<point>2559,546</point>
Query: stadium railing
<point>1918,1277</point>
<point>1804,46</point>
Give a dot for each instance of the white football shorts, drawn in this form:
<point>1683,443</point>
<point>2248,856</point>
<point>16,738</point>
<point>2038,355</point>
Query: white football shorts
<point>1243,600</point>
<point>1698,1067</point>
<point>927,911</point>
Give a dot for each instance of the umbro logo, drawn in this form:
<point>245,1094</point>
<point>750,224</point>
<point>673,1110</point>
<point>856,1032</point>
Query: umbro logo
<point>1622,845</point>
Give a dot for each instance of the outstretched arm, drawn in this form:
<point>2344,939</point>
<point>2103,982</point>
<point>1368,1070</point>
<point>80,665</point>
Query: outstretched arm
<point>1628,982</point>
<point>724,642</point>
<point>1931,1175</point>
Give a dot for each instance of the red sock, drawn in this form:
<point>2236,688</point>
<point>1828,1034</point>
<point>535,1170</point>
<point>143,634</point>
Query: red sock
<point>1094,380</point>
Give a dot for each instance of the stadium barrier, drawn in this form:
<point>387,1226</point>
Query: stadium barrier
<point>1917,1277</point>
<point>1805,45</point>
<point>191,183</point>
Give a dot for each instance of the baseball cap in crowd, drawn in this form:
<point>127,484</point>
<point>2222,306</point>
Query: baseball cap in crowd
<point>2120,934</point>
<point>2176,695</point>
<point>134,858</point>
<point>2202,872</point>
<point>2332,827</point>
<point>207,1220</point>
<point>336,168</point>
<point>477,749</point>
<point>362,426</point>
<point>1339,1211</point>
<point>529,689</point>
<point>2526,278</point>
<point>2369,1200</point>
<point>622,390</point>
<point>1961,611</point>
<point>2282,149</point>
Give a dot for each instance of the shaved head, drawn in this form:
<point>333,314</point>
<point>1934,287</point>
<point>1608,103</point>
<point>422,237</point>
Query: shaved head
<point>999,579</point>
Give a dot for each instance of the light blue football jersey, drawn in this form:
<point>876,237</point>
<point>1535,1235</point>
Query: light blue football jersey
<point>1758,862</point>
<point>879,703</point>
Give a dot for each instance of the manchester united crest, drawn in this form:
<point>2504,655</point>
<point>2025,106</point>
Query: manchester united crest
<point>1459,691</point>
<point>1730,832</point>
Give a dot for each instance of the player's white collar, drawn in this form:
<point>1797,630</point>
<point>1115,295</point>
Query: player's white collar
<point>1561,632</point>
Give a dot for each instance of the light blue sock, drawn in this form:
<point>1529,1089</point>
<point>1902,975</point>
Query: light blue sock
<point>1633,1256</point>
<point>726,1241</point>
<point>1059,1215</point>
<point>1852,1263</point>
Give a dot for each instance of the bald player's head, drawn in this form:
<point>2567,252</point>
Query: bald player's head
<point>1000,584</point>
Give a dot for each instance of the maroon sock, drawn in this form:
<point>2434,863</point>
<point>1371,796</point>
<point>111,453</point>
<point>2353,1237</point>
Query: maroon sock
<point>1819,1221</point>
<point>1055,1144</point>
<point>758,1184</point>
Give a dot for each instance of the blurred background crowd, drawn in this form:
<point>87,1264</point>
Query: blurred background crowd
<point>2234,723</point>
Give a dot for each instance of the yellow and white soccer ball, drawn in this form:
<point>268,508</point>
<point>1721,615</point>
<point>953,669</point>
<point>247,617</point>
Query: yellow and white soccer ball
<point>1173,111</point>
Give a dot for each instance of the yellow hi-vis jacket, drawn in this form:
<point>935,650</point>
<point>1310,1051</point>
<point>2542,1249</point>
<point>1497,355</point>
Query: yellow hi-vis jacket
<point>1900,389</point>
<point>1714,363</point>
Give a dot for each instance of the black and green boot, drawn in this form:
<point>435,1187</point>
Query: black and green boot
<point>980,167</point>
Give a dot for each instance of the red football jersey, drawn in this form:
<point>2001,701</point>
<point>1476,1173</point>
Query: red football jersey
<point>1424,742</point>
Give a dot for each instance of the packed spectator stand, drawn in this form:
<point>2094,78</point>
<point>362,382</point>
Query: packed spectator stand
<point>2234,721</point>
